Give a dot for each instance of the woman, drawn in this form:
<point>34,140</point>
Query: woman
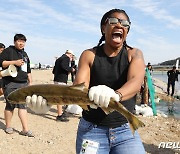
<point>110,70</point>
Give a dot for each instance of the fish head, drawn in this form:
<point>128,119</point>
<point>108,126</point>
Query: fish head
<point>18,96</point>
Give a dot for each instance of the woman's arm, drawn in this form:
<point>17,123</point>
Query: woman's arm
<point>135,76</point>
<point>84,66</point>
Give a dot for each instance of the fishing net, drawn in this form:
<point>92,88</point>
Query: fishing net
<point>151,91</point>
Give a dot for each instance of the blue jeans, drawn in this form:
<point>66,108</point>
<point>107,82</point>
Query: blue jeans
<point>118,140</point>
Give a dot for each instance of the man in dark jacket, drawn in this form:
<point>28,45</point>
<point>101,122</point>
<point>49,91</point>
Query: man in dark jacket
<point>172,77</point>
<point>61,70</point>
<point>15,55</point>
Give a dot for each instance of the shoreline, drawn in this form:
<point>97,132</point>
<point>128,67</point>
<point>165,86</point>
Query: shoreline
<point>161,91</point>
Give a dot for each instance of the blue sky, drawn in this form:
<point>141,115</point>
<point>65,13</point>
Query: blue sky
<point>52,26</point>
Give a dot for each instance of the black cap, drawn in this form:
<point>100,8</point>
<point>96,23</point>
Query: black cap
<point>2,45</point>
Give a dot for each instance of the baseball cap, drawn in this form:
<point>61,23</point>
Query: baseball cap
<point>70,51</point>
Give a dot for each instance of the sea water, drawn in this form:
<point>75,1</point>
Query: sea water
<point>167,108</point>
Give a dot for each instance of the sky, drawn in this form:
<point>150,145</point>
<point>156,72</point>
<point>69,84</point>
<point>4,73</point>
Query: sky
<point>53,26</point>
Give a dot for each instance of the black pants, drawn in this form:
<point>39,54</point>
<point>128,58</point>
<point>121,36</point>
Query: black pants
<point>172,84</point>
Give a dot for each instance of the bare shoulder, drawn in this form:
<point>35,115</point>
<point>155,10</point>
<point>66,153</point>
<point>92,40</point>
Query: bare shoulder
<point>87,56</point>
<point>84,67</point>
<point>89,52</point>
<point>135,53</point>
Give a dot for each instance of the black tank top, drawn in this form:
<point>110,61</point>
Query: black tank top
<point>112,72</point>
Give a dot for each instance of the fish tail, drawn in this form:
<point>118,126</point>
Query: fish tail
<point>135,123</point>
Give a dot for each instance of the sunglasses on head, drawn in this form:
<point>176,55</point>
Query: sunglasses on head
<point>114,21</point>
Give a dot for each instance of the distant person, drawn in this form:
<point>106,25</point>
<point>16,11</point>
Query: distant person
<point>17,56</point>
<point>2,47</point>
<point>73,65</point>
<point>39,66</point>
<point>172,77</point>
<point>61,71</point>
<point>149,67</point>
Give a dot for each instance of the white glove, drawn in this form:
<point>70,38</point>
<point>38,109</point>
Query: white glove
<point>102,94</point>
<point>37,104</point>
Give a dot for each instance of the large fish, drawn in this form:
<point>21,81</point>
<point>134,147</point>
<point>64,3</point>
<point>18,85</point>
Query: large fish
<point>65,95</point>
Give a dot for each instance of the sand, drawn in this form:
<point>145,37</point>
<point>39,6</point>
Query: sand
<point>53,137</point>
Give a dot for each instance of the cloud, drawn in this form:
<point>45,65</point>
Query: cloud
<point>155,9</point>
<point>48,48</point>
<point>52,27</point>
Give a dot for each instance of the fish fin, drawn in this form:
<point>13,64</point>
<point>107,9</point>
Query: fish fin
<point>135,123</point>
<point>107,110</point>
<point>80,86</point>
<point>85,107</point>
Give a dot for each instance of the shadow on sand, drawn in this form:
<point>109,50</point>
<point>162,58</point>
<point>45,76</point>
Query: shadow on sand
<point>51,116</point>
<point>2,125</point>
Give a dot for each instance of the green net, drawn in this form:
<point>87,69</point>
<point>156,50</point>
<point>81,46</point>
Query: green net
<point>151,91</point>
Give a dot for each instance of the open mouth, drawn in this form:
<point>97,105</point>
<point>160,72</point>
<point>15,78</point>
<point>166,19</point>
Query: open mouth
<point>117,36</point>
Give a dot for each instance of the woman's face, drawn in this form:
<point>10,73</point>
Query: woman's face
<point>115,33</point>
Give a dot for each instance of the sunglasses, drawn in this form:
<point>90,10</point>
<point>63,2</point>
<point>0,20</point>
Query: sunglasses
<point>114,21</point>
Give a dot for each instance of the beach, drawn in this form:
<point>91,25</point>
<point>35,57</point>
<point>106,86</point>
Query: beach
<point>53,137</point>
